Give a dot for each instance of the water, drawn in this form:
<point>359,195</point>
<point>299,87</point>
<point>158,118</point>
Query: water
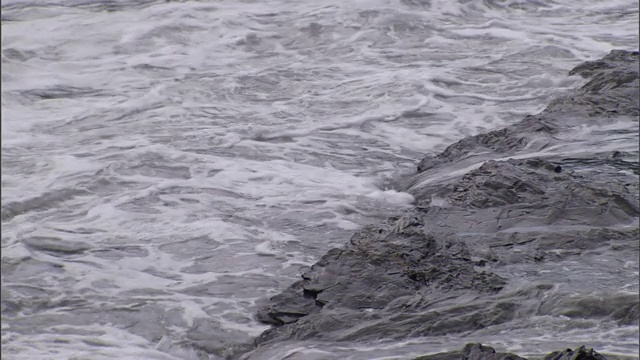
<point>167,163</point>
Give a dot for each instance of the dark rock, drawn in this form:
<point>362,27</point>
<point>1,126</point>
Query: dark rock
<point>386,268</point>
<point>437,269</point>
<point>611,92</point>
<point>472,352</point>
<point>580,353</point>
<point>481,352</point>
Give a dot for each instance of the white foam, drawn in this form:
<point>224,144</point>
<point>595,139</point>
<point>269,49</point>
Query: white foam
<point>207,134</point>
<point>393,197</point>
<point>265,248</point>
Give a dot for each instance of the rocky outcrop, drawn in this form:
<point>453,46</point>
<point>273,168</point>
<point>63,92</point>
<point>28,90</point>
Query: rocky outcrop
<point>381,283</point>
<point>611,93</point>
<point>472,352</point>
<point>580,353</point>
<point>486,202</point>
<point>481,352</point>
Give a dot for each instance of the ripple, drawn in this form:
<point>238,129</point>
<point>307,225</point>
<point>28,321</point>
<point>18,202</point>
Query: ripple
<point>149,167</point>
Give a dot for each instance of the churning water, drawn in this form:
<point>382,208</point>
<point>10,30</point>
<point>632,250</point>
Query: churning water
<point>167,163</point>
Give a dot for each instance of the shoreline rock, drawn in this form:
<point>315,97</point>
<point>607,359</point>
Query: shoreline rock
<point>475,351</point>
<point>437,269</point>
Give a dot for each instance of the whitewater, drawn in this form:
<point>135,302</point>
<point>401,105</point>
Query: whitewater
<point>167,164</point>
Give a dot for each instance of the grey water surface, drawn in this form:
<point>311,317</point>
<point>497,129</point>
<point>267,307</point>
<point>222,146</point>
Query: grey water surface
<point>167,164</point>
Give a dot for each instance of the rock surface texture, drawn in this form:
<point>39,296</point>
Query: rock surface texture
<point>507,197</point>
<point>481,352</point>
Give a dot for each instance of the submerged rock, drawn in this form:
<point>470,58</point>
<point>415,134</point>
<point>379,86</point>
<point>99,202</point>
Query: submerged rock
<point>438,269</point>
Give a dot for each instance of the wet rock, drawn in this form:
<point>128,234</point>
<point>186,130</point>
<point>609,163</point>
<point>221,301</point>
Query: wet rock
<point>472,352</point>
<point>481,352</point>
<point>580,353</point>
<point>611,92</point>
<point>384,269</point>
<point>439,268</point>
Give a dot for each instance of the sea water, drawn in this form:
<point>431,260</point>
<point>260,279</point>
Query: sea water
<point>166,164</point>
